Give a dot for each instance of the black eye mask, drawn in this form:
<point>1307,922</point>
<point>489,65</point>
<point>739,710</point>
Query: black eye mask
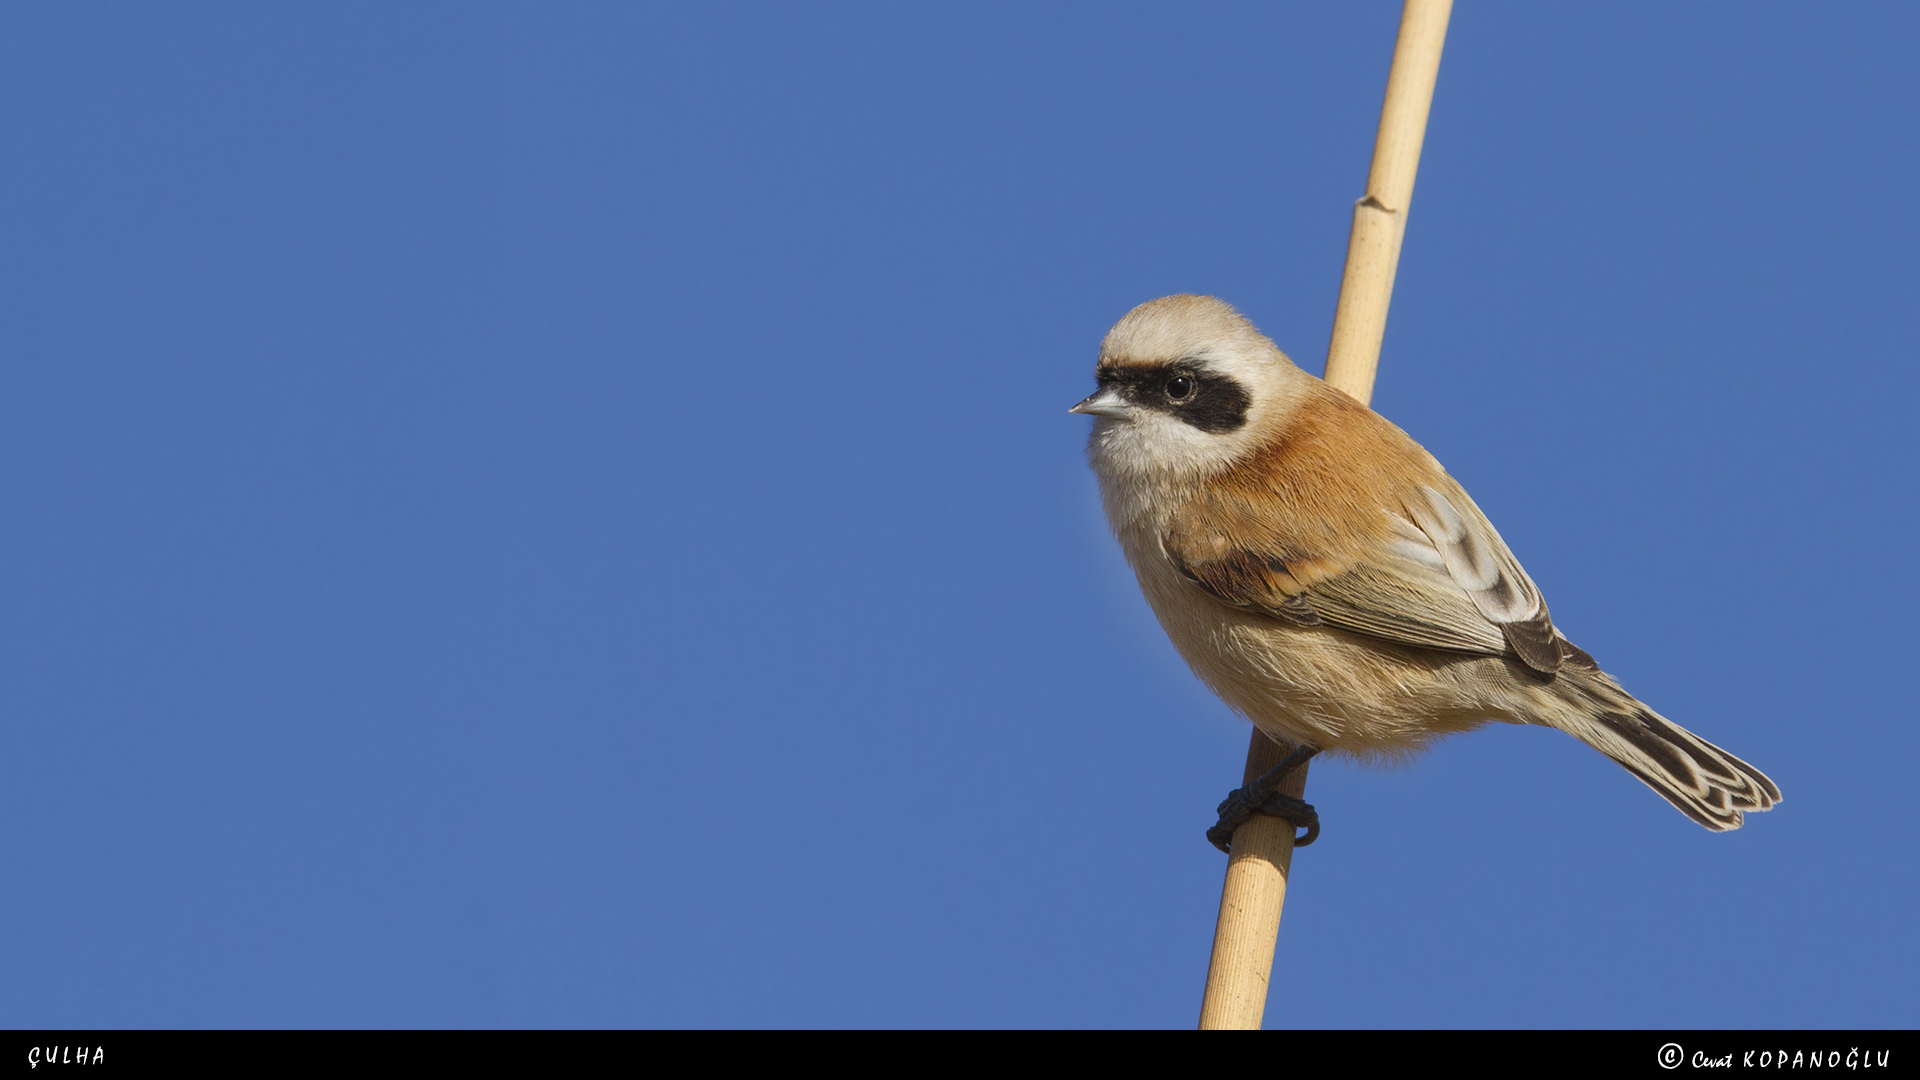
<point>1214,403</point>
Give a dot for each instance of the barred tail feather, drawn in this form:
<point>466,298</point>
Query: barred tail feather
<point>1701,780</point>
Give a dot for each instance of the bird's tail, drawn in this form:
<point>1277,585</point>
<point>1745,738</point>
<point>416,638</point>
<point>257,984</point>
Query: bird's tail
<point>1701,780</point>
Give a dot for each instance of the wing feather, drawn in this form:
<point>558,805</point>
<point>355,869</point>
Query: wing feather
<point>1480,563</point>
<point>1443,579</point>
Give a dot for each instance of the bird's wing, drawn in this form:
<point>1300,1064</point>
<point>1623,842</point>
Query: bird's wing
<point>1441,579</point>
<point>1480,563</point>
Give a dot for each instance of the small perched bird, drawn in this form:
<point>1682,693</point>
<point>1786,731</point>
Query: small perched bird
<point>1324,576</point>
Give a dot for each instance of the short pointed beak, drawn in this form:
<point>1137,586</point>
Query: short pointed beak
<point>1107,402</point>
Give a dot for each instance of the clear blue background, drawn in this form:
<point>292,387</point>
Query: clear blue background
<point>566,515</point>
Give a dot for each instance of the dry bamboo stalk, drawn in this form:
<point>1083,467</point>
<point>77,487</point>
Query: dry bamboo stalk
<point>1250,902</point>
<point>1380,219</point>
<point>1262,849</point>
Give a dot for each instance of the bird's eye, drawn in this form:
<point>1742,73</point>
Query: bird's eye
<point>1180,387</point>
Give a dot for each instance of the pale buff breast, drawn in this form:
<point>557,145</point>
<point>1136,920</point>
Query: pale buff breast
<point>1341,692</point>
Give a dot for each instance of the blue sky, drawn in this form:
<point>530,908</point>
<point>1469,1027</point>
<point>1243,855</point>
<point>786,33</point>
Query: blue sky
<point>566,516</point>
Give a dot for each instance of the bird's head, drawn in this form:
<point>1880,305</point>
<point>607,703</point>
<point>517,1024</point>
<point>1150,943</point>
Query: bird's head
<point>1187,386</point>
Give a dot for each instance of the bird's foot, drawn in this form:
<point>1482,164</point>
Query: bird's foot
<point>1260,797</point>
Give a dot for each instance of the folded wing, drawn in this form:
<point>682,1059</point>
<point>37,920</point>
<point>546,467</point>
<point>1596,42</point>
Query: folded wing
<point>1441,579</point>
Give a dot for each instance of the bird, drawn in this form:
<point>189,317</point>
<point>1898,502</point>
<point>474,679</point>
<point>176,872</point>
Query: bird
<point>1325,577</point>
